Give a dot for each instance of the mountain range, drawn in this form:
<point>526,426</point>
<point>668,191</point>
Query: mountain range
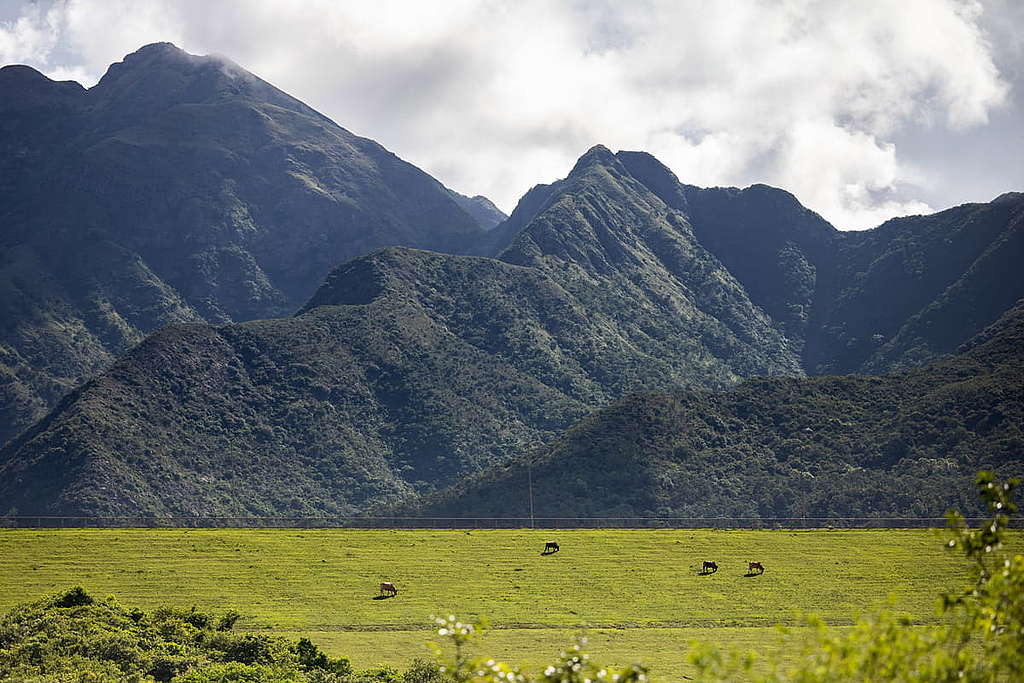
<point>180,189</point>
<point>194,197</point>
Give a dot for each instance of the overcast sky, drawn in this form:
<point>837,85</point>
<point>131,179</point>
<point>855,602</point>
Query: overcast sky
<point>864,109</point>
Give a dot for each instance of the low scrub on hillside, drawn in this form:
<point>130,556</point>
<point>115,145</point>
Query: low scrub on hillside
<point>898,445</point>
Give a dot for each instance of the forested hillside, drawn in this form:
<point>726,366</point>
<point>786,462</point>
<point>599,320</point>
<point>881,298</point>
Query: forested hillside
<point>179,189</point>
<point>898,296</point>
<point>193,195</point>
<point>901,444</point>
<point>407,370</point>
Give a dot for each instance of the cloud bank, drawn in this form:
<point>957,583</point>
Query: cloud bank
<point>493,97</point>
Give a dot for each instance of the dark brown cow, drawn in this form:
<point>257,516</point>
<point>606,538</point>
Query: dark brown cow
<point>550,547</point>
<point>388,588</point>
<point>755,567</point>
<point>709,567</point>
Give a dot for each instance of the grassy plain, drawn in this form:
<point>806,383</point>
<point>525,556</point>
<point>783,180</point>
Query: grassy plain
<point>636,594</point>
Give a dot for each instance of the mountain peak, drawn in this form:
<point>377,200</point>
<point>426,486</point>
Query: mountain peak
<point>160,76</point>
<point>157,66</point>
<point>160,49</point>
<point>645,159</point>
<point>361,280</point>
<point>1009,198</point>
<point>169,54</point>
<point>22,87</point>
<point>598,155</point>
<point>20,73</point>
<point>151,55</point>
<point>480,208</point>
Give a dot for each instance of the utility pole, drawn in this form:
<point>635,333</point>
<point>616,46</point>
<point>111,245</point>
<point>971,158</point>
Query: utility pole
<point>529,474</point>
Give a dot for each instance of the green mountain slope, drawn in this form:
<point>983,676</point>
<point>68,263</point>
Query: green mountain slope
<point>900,444</point>
<point>401,382</point>
<point>630,258</point>
<point>407,369</point>
<point>916,288</point>
<point>178,189</point>
<point>901,295</point>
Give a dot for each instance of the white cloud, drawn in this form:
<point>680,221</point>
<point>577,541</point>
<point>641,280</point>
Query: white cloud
<point>30,37</point>
<point>844,172</point>
<point>493,97</point>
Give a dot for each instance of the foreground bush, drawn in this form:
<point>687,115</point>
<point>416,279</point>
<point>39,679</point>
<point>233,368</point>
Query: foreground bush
<point>74,637</point>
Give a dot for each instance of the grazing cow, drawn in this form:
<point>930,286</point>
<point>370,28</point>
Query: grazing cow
<point>550,547</point>
<point>709,567</point>
<point>755,567</point>
<point>388,588</point>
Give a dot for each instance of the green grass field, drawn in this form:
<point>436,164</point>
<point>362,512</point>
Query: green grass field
<point>637,594</point>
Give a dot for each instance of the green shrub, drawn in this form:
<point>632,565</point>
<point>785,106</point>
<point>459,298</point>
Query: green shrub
<point>247,649</point>
<point>236,672</point>
<point>312,659</point>
<point>76,597</point>
<point>227,621</point>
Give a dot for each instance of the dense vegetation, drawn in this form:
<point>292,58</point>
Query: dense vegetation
<point>179,189</point>
<point>72,636</point>
<point>901,444</point>
<point>406,370</point>
<point>634,263</point>
<point>898,296</point>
